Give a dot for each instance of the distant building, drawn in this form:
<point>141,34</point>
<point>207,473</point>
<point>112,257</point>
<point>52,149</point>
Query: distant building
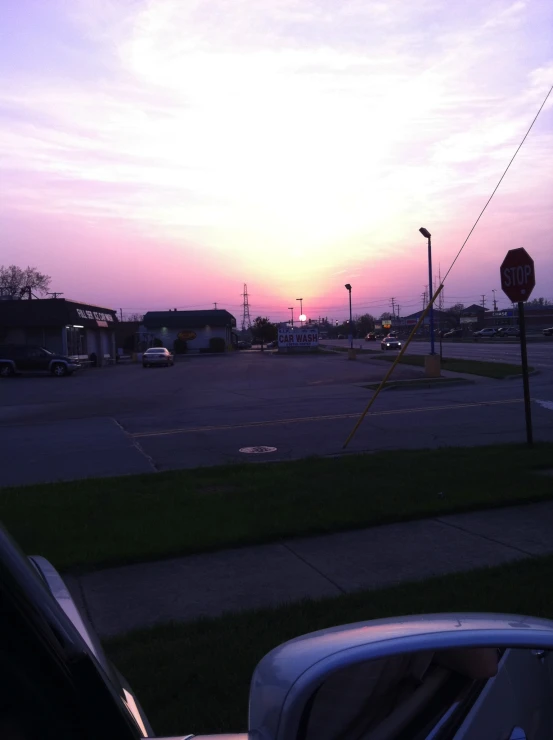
<point>63,326</point>
<point>537,317</point>
<point>196,328</point>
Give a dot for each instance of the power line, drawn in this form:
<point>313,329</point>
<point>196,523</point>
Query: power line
<point>499,183</point>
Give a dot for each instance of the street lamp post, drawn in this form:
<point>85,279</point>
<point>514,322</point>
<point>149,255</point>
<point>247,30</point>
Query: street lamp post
<point>301,309</point>
<point>348,288</point>
<point>427,236</point>
<point>494,300</point>
<point>291,309</point>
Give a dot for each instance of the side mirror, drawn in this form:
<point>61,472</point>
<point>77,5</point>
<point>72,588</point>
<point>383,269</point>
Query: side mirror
<point>457,676</point>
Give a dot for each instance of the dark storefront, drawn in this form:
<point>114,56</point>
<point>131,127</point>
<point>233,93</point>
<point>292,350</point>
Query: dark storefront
<point>67,327</point>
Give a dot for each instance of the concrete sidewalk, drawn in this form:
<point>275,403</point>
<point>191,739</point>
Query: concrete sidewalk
<point>126,598</point>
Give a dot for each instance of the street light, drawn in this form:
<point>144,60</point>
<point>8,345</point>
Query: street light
<point>301,307</point>
<point>291,308</point>
<point>427,235</point>
<point>347,286</point>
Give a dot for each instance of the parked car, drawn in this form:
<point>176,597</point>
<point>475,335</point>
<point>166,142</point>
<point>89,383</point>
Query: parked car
<point>244,345</point>
<point>341,336</point>
<point>371,337</point>
<point>508,331</point>
<point>489,333</point>
<point>273,344</point>
<point>157,356</point>
<point>31,358</point>
<point>390,343</point>
<point>548,332</point>
<point>453,333</point>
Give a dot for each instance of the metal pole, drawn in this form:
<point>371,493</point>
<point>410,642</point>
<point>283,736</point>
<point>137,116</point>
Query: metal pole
<point>350,323</point>
<point>431,311</point>
<point>525,381</point>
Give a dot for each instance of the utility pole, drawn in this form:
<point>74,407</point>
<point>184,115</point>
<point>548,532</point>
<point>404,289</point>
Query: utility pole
<point>215,306</point>
<point>393,305</point>
<point>494,301</point>
<point>291,309</point>
<point>423,296</point>
<point>121,314</point>
<point>483,300</point>
<point>246,320</point>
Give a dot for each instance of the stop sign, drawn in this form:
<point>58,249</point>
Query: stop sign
<point>518,278</point>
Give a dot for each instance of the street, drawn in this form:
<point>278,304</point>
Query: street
<point>206,409</point>
<point>540,353</point>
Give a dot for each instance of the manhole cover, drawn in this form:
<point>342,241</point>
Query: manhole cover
<point>257,450</point>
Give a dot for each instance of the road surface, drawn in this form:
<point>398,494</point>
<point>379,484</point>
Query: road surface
<point>203,411</point>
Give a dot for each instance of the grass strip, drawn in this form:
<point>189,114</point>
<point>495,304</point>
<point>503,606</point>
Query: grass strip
<point>497,370</point>
<point>108,521</point>
<point>195,677</point>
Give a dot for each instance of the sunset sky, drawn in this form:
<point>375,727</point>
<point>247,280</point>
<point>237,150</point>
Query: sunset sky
<point>162,153</point>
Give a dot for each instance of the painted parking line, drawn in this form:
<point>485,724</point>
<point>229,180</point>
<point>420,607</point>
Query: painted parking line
<point>329,417</point>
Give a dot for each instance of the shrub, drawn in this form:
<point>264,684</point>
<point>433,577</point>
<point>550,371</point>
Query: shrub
<point>180,347</point>
<point>217,344</point>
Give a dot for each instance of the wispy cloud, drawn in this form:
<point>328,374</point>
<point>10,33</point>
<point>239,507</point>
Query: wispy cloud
<point>283,130</point>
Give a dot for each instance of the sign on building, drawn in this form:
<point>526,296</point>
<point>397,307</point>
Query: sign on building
<point>469,319</point>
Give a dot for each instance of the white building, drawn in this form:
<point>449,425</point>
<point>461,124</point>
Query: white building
<point>196,328</point>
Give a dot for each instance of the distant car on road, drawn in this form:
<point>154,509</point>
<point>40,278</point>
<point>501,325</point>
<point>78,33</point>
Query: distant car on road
<point>371,337</point>
<point>453,333</point>
<point>390,343</point>
<point>485,333</point>
<point>341,336</point>
<point>548,332</point>
<point>508,331</point>
<point>244,345</point>
<point>273,344</point>
<point>157,356</point>
<point>30,358</point>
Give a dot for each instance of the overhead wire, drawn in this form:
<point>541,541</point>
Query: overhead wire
<point>441,286</point>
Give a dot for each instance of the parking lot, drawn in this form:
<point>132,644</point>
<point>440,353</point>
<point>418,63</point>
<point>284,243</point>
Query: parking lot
<point>204,410</point>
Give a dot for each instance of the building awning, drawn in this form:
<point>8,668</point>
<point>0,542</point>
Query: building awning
<point>54,312</point>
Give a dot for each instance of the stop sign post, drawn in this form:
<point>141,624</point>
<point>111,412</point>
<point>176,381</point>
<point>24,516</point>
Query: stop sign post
<point>518,279</point>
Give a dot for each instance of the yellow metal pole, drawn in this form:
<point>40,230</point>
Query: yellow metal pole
<point>390,371</point>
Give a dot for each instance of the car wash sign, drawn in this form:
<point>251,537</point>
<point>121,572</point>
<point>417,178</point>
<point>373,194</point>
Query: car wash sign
<point>294,338</point>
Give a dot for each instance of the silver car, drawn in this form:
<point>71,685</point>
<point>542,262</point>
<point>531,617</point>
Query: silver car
<point>390,343</point>
<point>157,356</point>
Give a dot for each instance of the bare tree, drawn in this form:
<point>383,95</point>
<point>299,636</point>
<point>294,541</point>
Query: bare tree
<point>15,281</point>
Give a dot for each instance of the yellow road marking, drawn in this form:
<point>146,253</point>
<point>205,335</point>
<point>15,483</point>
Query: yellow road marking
<point>330,417</point>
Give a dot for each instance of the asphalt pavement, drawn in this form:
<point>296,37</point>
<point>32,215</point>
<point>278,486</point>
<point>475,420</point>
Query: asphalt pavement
<point>207,409</point>
<point>118,600</point>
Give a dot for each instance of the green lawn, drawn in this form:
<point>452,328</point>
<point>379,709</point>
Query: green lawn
<point>195,677</point>
<point>498,370</point>
<point>108,521</point>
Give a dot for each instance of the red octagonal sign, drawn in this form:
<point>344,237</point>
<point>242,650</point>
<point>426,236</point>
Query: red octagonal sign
<point>518,278</point>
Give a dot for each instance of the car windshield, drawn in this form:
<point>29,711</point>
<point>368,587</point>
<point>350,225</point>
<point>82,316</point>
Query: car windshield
<point>156,351</point>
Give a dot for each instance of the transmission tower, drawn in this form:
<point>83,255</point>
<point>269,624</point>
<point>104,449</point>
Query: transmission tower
<point>441,296</point>
<point>246,320</point>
